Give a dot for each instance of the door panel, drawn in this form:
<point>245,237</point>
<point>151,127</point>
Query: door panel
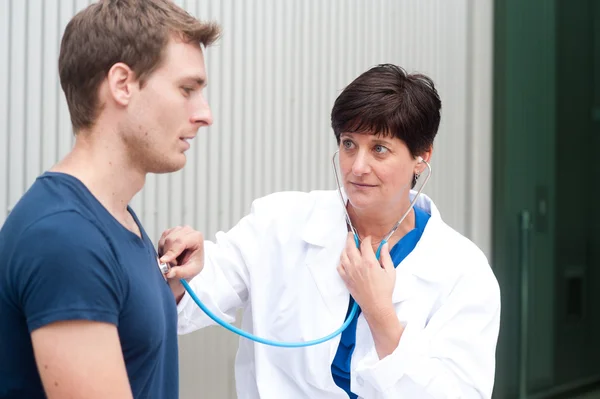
<point>576,347</point>
<point>524,169</point>
<point>547,164</point>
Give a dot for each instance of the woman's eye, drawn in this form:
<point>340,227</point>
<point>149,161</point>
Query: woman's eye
<point>380,149</point>
<point>187,90</point>
<point>347,144</point>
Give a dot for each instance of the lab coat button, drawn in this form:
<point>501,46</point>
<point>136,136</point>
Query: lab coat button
<point>360,381</point>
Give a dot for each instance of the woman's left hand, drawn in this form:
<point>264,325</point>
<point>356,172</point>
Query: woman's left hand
<point>370,281</point>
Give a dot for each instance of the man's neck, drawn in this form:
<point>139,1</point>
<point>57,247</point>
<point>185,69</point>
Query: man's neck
<point>104,168</point>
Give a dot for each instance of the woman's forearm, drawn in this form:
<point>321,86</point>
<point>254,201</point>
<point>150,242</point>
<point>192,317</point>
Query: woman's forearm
<point>385,329</point>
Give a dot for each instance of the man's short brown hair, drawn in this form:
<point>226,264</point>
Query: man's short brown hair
<point>135,32</point>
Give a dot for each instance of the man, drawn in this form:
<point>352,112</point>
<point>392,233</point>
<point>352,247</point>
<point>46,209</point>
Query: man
<point>84,308</point>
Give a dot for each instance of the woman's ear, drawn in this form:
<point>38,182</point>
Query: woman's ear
<point>425,156</point>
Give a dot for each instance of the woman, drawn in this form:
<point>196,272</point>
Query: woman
<point>429,307</point>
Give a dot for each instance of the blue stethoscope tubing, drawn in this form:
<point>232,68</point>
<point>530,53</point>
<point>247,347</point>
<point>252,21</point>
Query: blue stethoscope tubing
<point>265,341</point>
<point>354,309</point>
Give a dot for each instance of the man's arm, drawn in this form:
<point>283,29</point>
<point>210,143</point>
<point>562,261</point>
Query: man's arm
<point>81,359</point>
<point>71,289</point>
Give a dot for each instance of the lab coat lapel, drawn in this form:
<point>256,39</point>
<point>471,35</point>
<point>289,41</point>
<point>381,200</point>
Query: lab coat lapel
<point>325,233</point>
<point>422,263</point>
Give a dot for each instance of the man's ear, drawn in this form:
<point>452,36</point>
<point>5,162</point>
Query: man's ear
<point>121,80</point>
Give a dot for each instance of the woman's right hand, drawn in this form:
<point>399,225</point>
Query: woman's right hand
<point>182,248</point>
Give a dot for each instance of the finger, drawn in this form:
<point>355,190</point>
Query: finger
<point>195,236</point>
<point>341,271</point>
<point>350,241</point>
<point>173,232</point>
<point>385,259</point>
<point>172,249</point>
<point>366,250</point>
<point>345,262</point>
<point>352,251</point>
<point>178,241</point>
<point>194,241</point>
<point>163,237</point>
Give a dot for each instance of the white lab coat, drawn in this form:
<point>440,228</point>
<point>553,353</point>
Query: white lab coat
<point>279,264</point>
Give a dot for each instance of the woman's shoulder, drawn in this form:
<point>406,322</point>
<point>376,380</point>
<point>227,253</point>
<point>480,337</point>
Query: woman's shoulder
<point>457,244</point>
<point>454,253</point>
<point>294,213</point>
<point>296,202</point>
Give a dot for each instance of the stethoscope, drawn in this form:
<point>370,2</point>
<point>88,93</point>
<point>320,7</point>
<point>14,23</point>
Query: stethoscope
<point>354,309</point>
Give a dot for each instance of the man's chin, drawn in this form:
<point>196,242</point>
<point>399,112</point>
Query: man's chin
<point>171,166</point>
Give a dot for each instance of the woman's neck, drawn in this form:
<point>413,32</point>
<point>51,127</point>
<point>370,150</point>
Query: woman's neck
<point>378,224</point>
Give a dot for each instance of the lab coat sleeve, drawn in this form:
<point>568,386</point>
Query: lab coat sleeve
<point>223,283</point>
<point>453,357</point>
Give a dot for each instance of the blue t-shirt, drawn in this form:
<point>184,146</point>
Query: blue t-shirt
<point>340,368</point>
<point>64,257</point>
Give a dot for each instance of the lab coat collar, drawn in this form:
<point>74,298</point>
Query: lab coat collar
<point>329,218</point>
<point>326,232</point>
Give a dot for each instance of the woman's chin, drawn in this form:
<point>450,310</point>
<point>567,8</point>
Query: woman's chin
<point>361,202</point>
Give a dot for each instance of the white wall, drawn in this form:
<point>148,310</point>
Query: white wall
<point>272,81</point>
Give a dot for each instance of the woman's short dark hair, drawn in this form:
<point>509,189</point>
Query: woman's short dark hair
<point>387,101</point>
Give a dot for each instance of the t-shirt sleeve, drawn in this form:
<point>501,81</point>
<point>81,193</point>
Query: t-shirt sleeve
<point>64,269</point>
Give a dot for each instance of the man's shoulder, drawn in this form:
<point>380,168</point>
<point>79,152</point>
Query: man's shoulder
<point>48,195</point>
<point>54,236</point>
<point>60,224</point>
<point>53,207</point>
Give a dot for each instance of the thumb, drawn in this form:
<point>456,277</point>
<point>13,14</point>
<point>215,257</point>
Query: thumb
<point>178,272</point>
<point>170,256</point>
<point>174,272</point>
<point>187,270</point>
